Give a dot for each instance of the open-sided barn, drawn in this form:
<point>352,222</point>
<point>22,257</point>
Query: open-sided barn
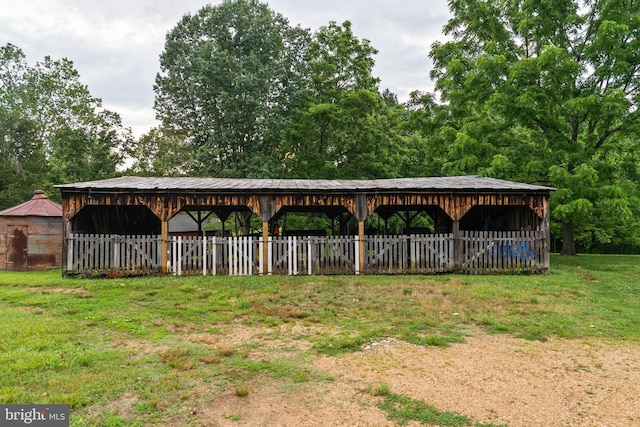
<point>121,226</point>
<point>31,235</point>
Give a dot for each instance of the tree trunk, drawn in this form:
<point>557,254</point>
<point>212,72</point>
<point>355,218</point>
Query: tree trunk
<point>568,239</point>
<point>243,222</point>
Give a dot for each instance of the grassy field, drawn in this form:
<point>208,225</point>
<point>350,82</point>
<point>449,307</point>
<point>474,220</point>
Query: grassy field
<point>87,342</point>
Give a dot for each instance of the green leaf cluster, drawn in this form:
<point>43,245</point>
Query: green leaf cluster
<point>252,96</point>
<point>229,76</point>
<point>51,129</point>
<point>546,93</point>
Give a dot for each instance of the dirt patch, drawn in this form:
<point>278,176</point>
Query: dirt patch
<point>268,404</point>
<point>79,292</point>
<point>495,379</point>
<point>266,340</point>
<point>122,407</point>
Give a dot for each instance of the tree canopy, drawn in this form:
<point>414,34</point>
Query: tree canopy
<point>344,128</point>
<point>51,129</point>
<point>229,75</point>
<point>256,97</point>
<point>544,92</point>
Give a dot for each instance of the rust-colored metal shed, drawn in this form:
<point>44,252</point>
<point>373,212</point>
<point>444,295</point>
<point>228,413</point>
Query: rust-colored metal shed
<point>31,235</point>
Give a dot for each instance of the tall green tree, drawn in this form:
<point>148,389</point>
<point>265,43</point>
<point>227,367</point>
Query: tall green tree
<point>51,129</point>
<point>229,76</point>
<point>21,159</point>
<point>87,153</point>
<point>345,128</point>
<point>20,150</point>
<point>421,127</point>
<point>541,91</point>
<point>160,152</point>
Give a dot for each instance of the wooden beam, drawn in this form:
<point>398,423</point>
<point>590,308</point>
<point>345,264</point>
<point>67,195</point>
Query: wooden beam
<point>546,228</point>
<point>265,247</point>
<point>458,253</point>
<point>65,245</point>
<point>361,246</point>
<point>165,242</point>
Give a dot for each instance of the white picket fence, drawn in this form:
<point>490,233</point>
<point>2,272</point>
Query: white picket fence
<point>292,255</point>
<point>478,252</point>
<point>297,255</point>
<point>235,256</point>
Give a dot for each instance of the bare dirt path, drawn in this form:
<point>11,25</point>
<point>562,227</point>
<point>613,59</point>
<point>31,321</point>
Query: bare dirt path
<point>493,379</point>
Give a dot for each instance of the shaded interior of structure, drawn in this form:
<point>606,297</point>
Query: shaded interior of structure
<point>123,220</point>
<point>139,220</point>
<point>500,218</point>
<point>412,219</point>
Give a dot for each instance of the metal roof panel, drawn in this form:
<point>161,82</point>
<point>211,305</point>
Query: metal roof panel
<point>39,205</point>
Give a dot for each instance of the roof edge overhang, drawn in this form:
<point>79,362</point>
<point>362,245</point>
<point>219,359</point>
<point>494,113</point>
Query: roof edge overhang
<point>266,187</point>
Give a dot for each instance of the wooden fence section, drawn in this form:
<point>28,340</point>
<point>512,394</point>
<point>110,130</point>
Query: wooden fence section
<point>431,253</point>
<point>307,255</point>
<point>114,254</point>
<point>295,255</point>
<point>334,254</point>
<point>415,253</point>
<point>467,252</point>
<point>289,255</point>
<point>504,251</point>
<point>292,255</point>
<point>386,254</point>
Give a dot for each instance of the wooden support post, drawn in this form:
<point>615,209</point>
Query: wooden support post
<point>361,246</point>
<point>65,245</point>
<point>165,242</point>
<point>266,211</point>
<point>458,253</point>
<point>546,229</point>
<point>265,247</point>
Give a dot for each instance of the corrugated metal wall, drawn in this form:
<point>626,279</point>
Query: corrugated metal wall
<point>30,243</point>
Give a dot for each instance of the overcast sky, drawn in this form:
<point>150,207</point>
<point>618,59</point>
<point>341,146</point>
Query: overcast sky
<point>115,44</point>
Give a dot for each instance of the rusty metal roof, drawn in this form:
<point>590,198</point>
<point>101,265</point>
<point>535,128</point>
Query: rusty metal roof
<point>454,183</point>
<point>39,205</point>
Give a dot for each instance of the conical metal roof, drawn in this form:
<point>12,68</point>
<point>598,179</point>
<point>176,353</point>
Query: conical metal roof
<point>39,205</point>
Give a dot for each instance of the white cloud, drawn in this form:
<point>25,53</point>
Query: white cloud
<point>115,45</point>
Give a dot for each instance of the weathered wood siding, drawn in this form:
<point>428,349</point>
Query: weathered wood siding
<point>431,253</point>
<point>504,251</point>
<point>454,205</point>
<point>113,254</point>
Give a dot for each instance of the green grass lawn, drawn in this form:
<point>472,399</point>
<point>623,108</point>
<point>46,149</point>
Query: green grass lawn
<point>88,342</point>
